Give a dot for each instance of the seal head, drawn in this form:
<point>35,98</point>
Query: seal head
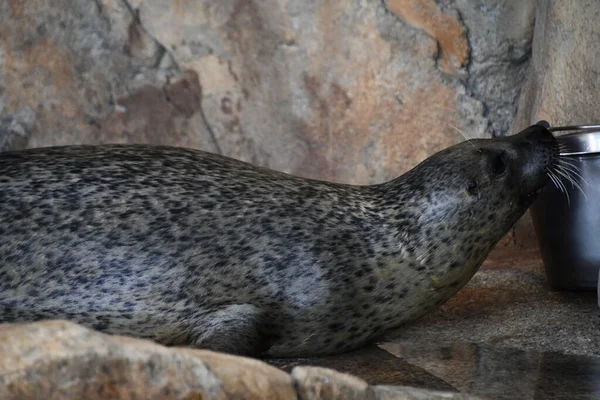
<point>451,210</point>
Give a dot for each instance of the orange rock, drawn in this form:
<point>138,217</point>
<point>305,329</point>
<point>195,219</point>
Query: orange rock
<point>61,360</point>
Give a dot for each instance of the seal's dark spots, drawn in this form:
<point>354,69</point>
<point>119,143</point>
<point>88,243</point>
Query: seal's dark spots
<point>472,188</point>
<point>499,164</point>
<point>334,326</point>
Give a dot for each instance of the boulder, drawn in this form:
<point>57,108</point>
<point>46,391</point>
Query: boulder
<point>61,360</point>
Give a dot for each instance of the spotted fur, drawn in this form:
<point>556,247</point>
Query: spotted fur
<point>190,248</point>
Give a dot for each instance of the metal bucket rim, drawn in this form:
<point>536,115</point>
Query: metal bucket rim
<point>585,139</point>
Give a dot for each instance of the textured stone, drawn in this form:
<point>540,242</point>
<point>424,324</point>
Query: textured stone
<point>61,360</point>
<point>15,128</point>
<point>69,62</point>
<point>314,383</point>
<point>445,27</point>
<point>350,91</point>
<point>372,364</point>
<point>563,84</point>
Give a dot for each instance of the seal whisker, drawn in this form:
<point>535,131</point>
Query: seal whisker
<point>573,169</point>
<point>552,178</point>
<point>564,150</point>
<point>573,175</point>
<point>562,146</point>
<point>570,179</point>
<point>563,188</point>
<point>569,171</point>
<point>566,159</point>
<point>565,174</point>
<point>464,135</point>
<point>558,182</point>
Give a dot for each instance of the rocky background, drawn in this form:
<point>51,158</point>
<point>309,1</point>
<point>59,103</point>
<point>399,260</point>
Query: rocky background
<point>354,91</point>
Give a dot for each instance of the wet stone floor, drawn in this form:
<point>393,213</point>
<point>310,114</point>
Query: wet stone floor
<point>482,370</point>
<point>506,335</point>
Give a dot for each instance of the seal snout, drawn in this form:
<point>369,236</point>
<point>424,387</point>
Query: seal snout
<point>538,152</point>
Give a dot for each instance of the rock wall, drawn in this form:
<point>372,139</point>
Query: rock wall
<point>354,91</point>
<point>563,83</point>
<point>61,360</point>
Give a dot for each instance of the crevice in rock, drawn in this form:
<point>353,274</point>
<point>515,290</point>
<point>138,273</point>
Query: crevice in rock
<point>135,15</point>
<point>440,24</point>
<point>164,52</point>
<point>386,9</point>
<point>209,129</point>
<point>200,110</point>
<point>465,82</point>
<point>99,6</point>
<point>439,52</point>
<point>467,35</point>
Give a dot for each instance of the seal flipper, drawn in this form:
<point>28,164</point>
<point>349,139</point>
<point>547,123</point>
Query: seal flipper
<point>234,329</point>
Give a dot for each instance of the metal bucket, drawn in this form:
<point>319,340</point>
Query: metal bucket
<point>567,225</point>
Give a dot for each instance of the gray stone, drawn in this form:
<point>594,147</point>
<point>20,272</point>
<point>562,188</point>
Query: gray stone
<point>62,360</point>
<point>15,129</point>
<point>314,383</point>
<point>563,85</point>
<point>350,91</point>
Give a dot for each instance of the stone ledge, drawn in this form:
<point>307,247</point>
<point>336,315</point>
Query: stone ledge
<point>62,360</point>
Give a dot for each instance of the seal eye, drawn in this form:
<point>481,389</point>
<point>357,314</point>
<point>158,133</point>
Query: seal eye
<point>498,164</point>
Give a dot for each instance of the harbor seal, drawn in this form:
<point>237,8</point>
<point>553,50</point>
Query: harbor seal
<point>189,248</point>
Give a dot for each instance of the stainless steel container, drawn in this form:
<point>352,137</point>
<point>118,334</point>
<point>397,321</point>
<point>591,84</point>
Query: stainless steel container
<point>567,225</point>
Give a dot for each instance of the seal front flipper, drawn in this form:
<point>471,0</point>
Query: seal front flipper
<point>235,329</point>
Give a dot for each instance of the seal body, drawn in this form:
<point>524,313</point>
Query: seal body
<point>190,248</point>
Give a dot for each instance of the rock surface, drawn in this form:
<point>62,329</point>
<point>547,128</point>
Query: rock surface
<point>351,91</point>
<point>61,360</point>
<point>563,85</point>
